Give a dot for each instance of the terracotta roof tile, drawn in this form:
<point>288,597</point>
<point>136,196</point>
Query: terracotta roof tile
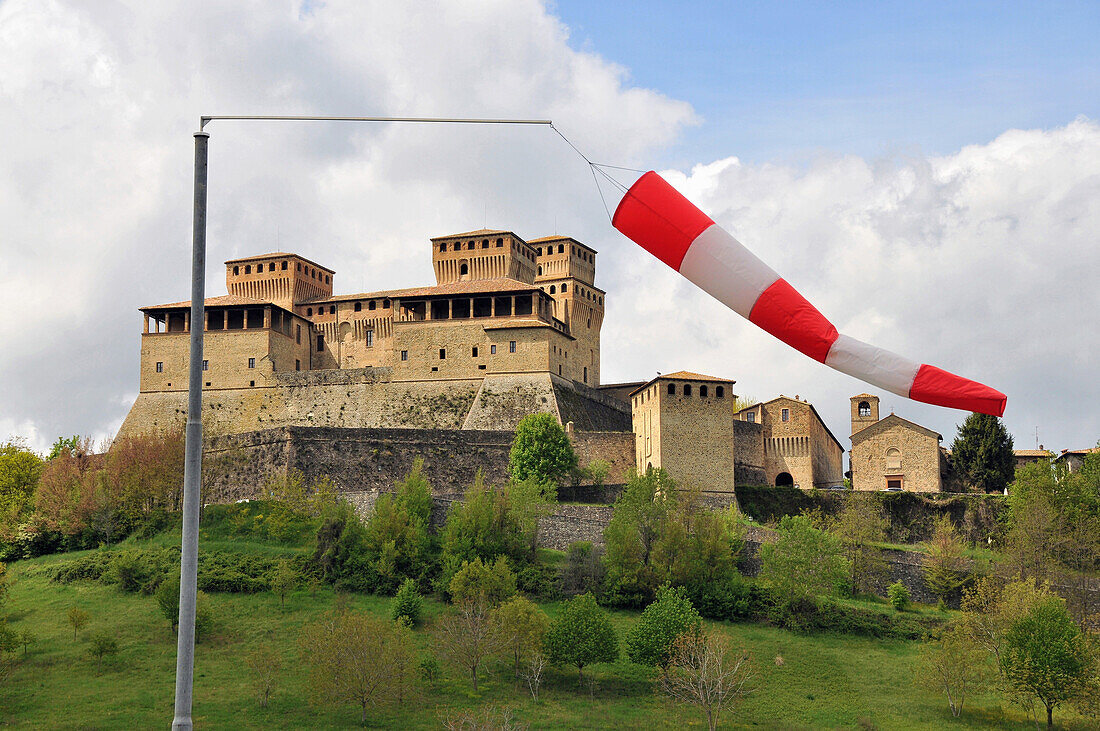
<point>474,286</point>
<point>226,300</point>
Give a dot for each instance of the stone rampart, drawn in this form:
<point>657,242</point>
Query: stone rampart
<point>615,447</point>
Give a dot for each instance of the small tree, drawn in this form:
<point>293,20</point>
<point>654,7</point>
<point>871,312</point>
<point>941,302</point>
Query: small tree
<point>598,470</point>
<point>541,450</point>
<point>532,672</point>
<point>898,596</point>
<point>1047,656</point>
<point>944,565</point>
<point>706,672</point>
<point>264,665</point>
<point>476,581</point>
<point>168,599</point>
<point>637,524</point>
<point>284,581</point>
<point>982,453</point>
<point>468,635</point>
<point>522,628</point>
<point>581,635</point>
<point>651,640</point>
<point>583,570</point>
<point>102,644</point>
<point>802,561</point>
<point>955,665</point>
<point>860,526</point>
<point>78,618</point>
<point>407,603</point>
<point>26,638</point>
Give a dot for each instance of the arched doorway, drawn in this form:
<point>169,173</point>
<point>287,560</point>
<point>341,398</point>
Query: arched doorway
<point>784,479</point>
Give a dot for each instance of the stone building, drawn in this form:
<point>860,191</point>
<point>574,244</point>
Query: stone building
<point>1074,459</point>
<point>798,449</point>
<point>893,453</point>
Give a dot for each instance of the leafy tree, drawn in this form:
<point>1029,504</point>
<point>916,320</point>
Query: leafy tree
<point>284,581</point>
<point>78,618</point>
<point>1048,656</point>
<point>990,608</point>
<point>71,446</point>
<point>19,471</point>
<point>407,603</point>
<point>955,665</point>
<point>528,501</point>
<point>706,672</point>
<point>583,570</point>
<point>168,599</point>
<point>146,472</point>
<point>597,471</point>
<point>481,526</point>
<point>802,561</point>
<point>476,581</point>
<point>102,644</point>
<point>944,566</point>
<point>26,638</point>
<point>397,541</point>
<point>341,551</point>
<point>698,549</point>
<point>522,627</point>
<point>358,659</point>
<point>862,525</point>
<point>898,595</point>
<point>467,635</point>
<point>581,635</point>
<point>637,523</point>
<point>650,641</point>
<point>982,453</point>
<point>541,450</point>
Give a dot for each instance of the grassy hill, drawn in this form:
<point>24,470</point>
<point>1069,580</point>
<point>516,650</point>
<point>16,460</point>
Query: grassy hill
<point>819,681</point>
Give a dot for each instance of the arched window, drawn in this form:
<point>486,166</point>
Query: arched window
<point>284,266</point>
<point>464,269</point>
<point>703,391</point>
<point>471,245</point>
<point>719,392</point>
<point>358,306</point>
<point>564,288</point>
<point>864,408</point>
<point>540,270</point>
<point>443,246</point>
<point>893,458</point>
<point>385,304</point>
<point>485,244</point>
<point>236,270</point>
<point>672,389</point>
<point>687,389</point>
<point>332,309</point>
<point>247,268</point>
<point>371,305</point>
<point>553,289</point>
<point>500,242</point>
<point>271,267</point>
<point>309,312</point>
<point>561,248</point>
<point>784,479</point>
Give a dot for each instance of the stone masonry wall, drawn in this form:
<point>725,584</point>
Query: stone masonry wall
<point>616,448</point>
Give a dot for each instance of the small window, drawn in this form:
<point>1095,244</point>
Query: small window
<point>372,305</point>
<point>443,354</point>
<point>251,362</point>
<point>864,408</point>
<point>297,365</point>
<point>586,374</point>
<point>251,383</point>
<point>564,288</point>
<point>385,304</point>
<point>672,389</point>
<point>358,306</point>
<point>320,343</point>
<point>236,270</point>
<point>702,391</point>
<point>298,334</point>
<point>485,244</point>
<point>492,350</point>
<point>271,267</point>
<point>332,309</point>
<point>475,351</point>
<point>553,289</point>
<point>719,392</point>
<point>299,266</point>
<point>540,270</point>
<point>687,389</point>
<point>370,338</point>
<point>328,279</point>
<point>511,346</point>
<point>309,312</point>
<point>464,269</point>
<point>160,367</point>
<point>561,248</point>
<point>443,247</point>
<point>206,365</point>
<point>786,414</point>
<point>404,355</point>
<point>284,266</point>
<point>500,242</point>
<point>208,384</point>
<point>751,417</point>
<point>247,268</point>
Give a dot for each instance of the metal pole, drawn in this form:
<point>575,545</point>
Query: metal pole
<point>192,474</point>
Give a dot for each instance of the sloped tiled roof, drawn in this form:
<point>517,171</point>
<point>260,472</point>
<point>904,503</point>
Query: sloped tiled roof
<point>473,286</point>
<point>479,232</point>
<point>892,419</point>
<point>226,300</point>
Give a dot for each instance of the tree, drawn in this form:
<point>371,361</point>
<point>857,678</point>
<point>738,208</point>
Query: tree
<point>168,599</point>
<point>358,659</point>
<point>982,453</point>
<point>898,595</point>
<point>264,664</point>
<point>491,584</point>
<point>862,525</point>
<point>467,635</point>
<point>78,618</point>
<point>1047,655</point>
<point>953,664</point>
<point>102,644</point>
<point>802,561</point>
<point>522,627</point>
<point>581,635</point>
<point>637,522</point>
<point>706,672</point>
<point>583,570</point>
<point>944,566</point>
<point>407,603</point>
<point>541,450</point>
<point>397,542</point>
<point>284,581</point>
<point>650,641</point>
<point>19,472</point>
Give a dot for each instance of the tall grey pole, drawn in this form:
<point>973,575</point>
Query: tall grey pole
<point>192,470</point>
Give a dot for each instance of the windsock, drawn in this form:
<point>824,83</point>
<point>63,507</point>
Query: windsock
<point>660,220</point>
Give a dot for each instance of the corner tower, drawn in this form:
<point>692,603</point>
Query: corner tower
<point>282,279</point>
<point>864,411</point>
<point>483,254</point>
<point>567,272</point>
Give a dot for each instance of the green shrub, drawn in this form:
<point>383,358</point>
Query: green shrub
<point>649,642</point>
<point>538,580</point>
<point>407,603</point>
<point>581,635</point>
<point>492,583</point>
<point>583,570</point>
<point>131,571</point>
<point>898,596</point>
<point>168,599</point>
<point>102,644</point>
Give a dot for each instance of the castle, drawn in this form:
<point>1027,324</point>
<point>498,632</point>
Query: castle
<point>510,327</point>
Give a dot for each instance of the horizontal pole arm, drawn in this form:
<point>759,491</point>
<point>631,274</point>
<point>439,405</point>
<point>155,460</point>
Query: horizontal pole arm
<point>203,121</point>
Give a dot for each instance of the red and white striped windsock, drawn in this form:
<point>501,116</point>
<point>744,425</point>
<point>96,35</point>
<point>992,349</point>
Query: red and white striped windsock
<point>656,217</point>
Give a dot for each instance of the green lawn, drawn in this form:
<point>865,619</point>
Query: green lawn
<point>821,681</point>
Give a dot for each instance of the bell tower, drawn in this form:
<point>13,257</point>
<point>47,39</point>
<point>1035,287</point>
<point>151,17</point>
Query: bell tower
<point>864,411</point>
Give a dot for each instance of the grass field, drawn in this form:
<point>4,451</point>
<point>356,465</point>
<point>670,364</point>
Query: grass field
<point>824,681</point>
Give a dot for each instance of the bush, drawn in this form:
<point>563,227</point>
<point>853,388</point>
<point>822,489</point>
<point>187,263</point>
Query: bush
<point>734,599</point>
<point>168,599</point>
<point>131,571</point>
<point>477,581</point>
<point>538,580</point>
<point>100,645</point>
<point>407,603</point>
<point>826,616</point>
<point>650,641</point>
<point>898,596</point>
<point>581,635</point>
<point>583,570</point>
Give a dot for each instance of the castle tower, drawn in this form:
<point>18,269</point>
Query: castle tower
<point>282,279</point>
<point>483,254</point>
<point>864,411</point>
<point>567,271</point>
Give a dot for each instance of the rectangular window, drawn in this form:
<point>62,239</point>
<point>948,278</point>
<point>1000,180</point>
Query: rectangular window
<point>297,365</point>
<point>370,338</point>
<point>251,362</point>
<point>442,353</point>
<point>751,417</point>
<point>206,365</point>
<point>298,335</point>
<point>475,351</point>
<point>320,343</point>
<point>160,367</point>
<point>492,350</point>
<point>586,374</point>
<point>786,414</point>
<point>404,355</point>
<point>511,346</point>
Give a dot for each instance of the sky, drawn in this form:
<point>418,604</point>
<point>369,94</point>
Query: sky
<point>927,175</point>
